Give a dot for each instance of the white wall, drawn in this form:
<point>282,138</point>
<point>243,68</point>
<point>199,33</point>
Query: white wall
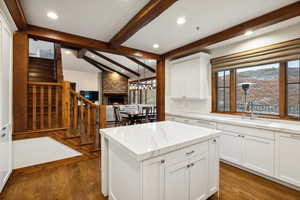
<point>202,107</point>
<point>273,37</point>
<point>90,81</point>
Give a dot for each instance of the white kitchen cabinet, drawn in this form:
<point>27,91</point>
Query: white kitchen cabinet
<point>198,175</point>
<point>288,156</point>
<point>177,181</point>
<point>259,154</point>
<point>189,77</point>
<point>154,173</point>
<point>231,147</point>
<point>163,161</point>
<point>214,165</point>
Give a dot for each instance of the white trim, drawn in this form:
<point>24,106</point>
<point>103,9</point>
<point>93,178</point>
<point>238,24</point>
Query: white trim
<point>4,13</point>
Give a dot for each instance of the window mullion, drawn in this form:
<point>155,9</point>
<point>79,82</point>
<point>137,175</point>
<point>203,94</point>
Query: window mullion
<point>232,90</point>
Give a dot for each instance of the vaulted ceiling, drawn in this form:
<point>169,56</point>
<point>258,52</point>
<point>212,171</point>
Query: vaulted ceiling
<point>138,24</point>
<point>102,19</point>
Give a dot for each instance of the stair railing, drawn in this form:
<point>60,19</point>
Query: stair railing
<point>44,106</point>
<point>83,118</point>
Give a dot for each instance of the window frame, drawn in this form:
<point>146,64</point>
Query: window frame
<point>283,83</point>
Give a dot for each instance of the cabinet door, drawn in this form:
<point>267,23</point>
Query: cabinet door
<point>177,81</point>
<point>177,181</point>
<point>153,179</point>
<point>231,147</point>
<point>259,154</point>
<point>192,78</point>
<point>199,177</point>
<point>289,157</point>
<point>214,165</point>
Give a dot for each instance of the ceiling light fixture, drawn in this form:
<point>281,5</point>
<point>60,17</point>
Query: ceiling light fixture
<point>181,20</point>
<point>248,32</point>
<point>52,15</point>
<point>155,46</point>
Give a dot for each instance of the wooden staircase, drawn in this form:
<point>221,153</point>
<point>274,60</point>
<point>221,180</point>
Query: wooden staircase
<point>52,107</point>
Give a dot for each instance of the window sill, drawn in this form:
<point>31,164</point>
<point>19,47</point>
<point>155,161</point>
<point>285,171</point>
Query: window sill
<point>265,116</point>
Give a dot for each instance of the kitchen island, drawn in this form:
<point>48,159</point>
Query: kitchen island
<point>160,161</point>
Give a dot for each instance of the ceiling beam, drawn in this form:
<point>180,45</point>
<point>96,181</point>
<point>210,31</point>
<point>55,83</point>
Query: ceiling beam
<point>102,66</point>
<point>141,63</point>
<point>72,40</point>
<point>89,60</point>
<point>17,13</point>
<point>81,53</point>
<point>152,10</point>
<point>276,16</point>
<point>114,62</point>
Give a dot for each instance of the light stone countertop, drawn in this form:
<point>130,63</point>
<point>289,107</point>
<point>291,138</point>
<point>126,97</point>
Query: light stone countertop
<point>144,141</point>
<point>275,125</point>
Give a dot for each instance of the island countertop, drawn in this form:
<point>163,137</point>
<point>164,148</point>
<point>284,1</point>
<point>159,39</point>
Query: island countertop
<point>148,140</point>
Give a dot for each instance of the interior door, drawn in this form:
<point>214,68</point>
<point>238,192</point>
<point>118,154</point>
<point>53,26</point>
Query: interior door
<point>177,181</point>
<point>199,177</point>
<point>5,103</point>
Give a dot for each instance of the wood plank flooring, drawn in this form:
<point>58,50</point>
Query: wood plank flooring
<point>80,180</point>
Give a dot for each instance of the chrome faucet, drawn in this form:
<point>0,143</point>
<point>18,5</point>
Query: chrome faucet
<point>249,109</point>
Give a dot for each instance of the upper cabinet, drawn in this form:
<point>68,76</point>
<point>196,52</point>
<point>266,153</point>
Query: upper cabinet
<point>190,77</point>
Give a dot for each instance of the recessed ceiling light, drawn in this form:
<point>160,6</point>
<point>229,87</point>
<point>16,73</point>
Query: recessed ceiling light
<point>181,20</point>
<point>67,52</point>
<point>248,32</point>
<point>155,46</point>
<point>52,15</point>
<point>93,56</point>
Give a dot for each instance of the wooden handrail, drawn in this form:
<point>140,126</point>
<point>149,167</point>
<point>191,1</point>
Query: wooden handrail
<point>45,83</point>
<point>83,98</point>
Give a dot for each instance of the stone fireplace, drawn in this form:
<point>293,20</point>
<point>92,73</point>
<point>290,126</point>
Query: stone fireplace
<point>115,88</point>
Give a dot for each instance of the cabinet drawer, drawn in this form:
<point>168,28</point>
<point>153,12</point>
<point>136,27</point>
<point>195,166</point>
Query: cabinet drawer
<point>186,153</point>
<point>246,130</point>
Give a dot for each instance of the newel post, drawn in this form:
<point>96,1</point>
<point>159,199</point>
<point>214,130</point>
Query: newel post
<point>66,106</point>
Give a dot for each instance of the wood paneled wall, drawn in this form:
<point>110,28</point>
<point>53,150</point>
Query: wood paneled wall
<point>160,97</point>
<point>20,81</point>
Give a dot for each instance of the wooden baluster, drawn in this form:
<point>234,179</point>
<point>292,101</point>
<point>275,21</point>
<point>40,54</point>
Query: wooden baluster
<point>49,106</point>
<point>75,117</point>
<point>81,120</point>
<point>42,107</point>
<point>102,116</point>
<point>95,131</point>
<point>66,107</point>
<point>56,107</point>
<point>34,107</point>
<point>88,118</point>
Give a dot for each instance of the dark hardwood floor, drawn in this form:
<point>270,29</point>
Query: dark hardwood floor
<point>79,179</point>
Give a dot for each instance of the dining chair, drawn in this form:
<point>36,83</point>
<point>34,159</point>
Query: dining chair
<point>119,119</point>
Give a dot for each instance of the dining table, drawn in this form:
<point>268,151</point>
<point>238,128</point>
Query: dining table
<point>133,116</point>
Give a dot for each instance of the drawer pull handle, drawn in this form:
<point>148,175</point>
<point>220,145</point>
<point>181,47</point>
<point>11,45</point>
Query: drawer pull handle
<point>188,166</point>
<point>214,140</point>
<point>3,135</point>
<point>189,153</point>
<point>162,161</point>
